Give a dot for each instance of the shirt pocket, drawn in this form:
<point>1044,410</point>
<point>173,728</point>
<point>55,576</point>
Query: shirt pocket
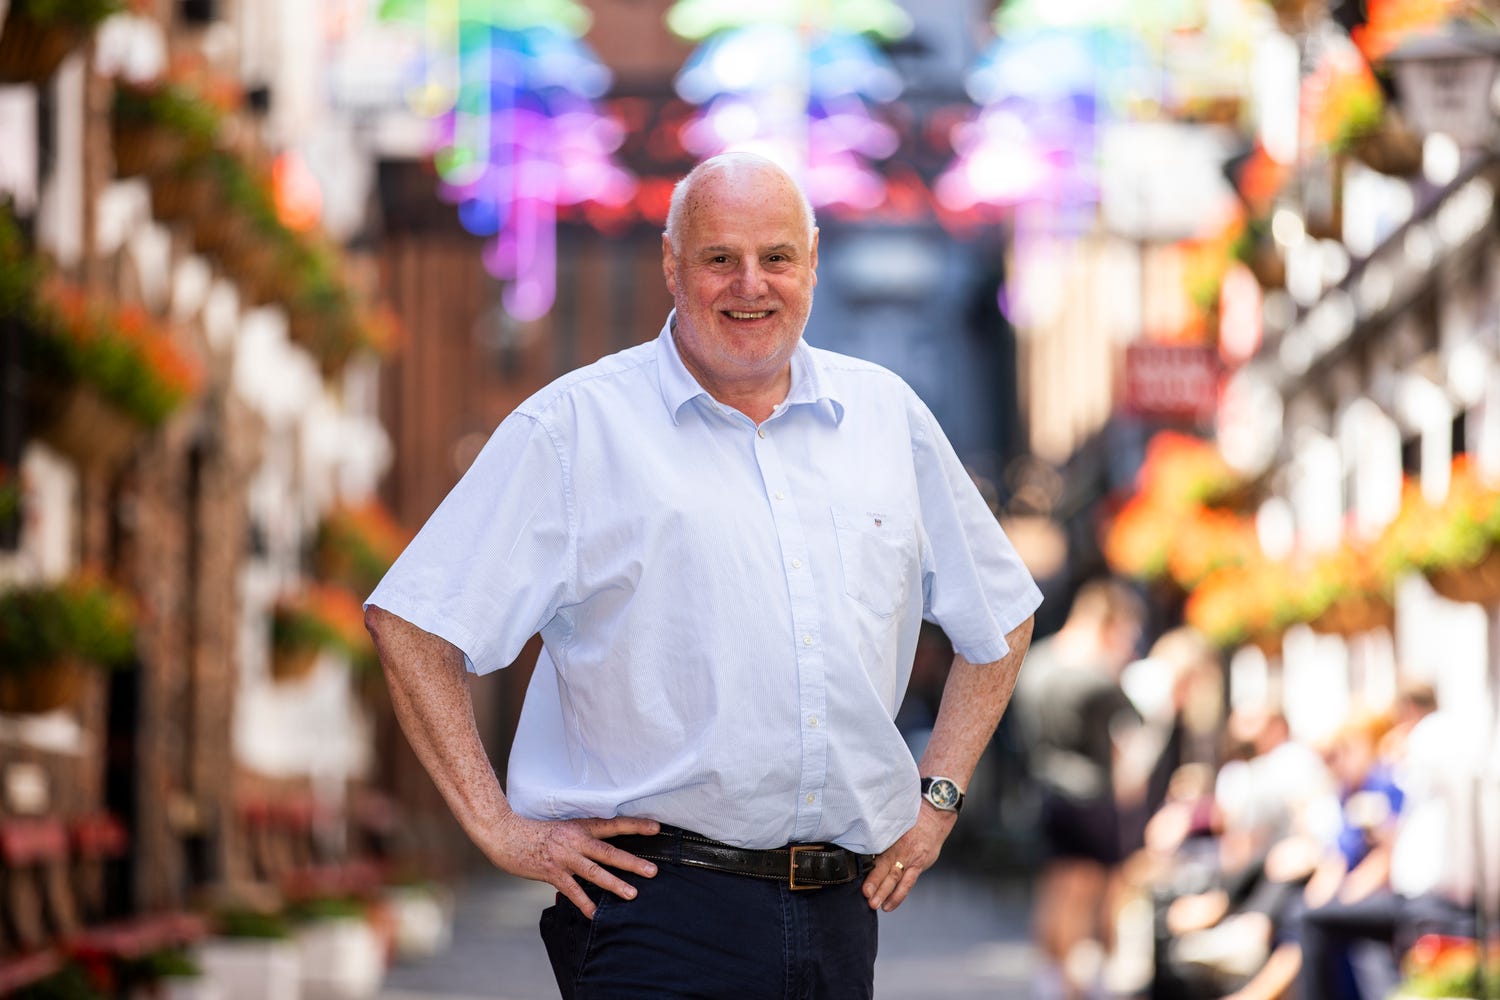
<point>876,547</point>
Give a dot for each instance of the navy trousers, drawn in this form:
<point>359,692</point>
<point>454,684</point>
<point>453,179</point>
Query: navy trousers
<point>692,932</point>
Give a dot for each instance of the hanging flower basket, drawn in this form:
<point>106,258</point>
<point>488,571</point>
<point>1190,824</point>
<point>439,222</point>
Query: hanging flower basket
<point>105,374</point>
<point>1269,643</point>
<point>1354,614</point>
<point>1265,262</point>
<point>183,195</point>
<point>42,688</point>
<point>160,125</point>
<point>48,633</point>
<point>1477,584</point>
<point>320,617</point>
<point>292,663</point>
<point>32,48</point>
<point>357,543</point>
<point>1390,148</point>
<point>1253,603</point>
<point>78,422</point>
<point>1345,591</point>
<point>143,150</point>
<point>1455,544</point>
<point>256,268</point>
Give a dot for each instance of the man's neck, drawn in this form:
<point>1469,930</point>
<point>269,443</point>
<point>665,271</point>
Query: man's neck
<point>756,397</point>
<point>755,400</point>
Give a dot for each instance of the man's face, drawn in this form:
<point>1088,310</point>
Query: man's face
<point>742,276</point>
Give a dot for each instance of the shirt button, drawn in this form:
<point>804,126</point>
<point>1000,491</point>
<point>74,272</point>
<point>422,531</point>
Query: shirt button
<point>780,495</point>
<point>811,798</point>
<point>807,640</point>
<point>761,431</point>
<point>812,720</point>
<point>796,564</point>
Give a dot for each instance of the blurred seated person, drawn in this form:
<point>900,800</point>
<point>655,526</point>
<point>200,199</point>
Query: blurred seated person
<point>1354,864</point>
<point>1208,861</point>
<point>1434,858</point>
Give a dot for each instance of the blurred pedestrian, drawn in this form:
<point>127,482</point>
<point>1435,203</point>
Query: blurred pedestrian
<point>1082,732</point>
<point>728,541</point>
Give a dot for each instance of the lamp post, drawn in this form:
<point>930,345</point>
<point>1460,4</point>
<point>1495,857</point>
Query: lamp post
<point>1446,82</point>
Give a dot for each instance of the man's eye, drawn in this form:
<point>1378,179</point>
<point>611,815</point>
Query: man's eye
<point>720,259</point>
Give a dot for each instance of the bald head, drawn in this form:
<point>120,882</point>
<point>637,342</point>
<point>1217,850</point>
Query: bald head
<point>730,168</point>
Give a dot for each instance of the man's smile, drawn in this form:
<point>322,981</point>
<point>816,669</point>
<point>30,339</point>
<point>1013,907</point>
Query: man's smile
<point>738,314</point>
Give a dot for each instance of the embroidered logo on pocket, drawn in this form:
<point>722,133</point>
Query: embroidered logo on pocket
<point>878,553</point>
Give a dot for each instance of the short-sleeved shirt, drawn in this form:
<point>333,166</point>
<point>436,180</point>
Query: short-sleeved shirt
<point>728,612</point>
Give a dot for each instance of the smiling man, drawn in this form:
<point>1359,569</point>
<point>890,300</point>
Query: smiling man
<point>728,541</point>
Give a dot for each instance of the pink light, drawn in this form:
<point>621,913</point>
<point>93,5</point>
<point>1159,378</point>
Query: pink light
<point>844,182</point>
<point>535,287</point>
<point>857,132</point>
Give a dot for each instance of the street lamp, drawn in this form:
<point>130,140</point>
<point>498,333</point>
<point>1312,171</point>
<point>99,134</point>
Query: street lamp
<point>1446,82</point>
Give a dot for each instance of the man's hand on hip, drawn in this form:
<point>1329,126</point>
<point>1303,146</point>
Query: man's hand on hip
<point>898,868</point>
<point>555,851</point>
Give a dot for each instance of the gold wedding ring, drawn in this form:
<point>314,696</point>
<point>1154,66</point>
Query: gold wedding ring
<point>900,867</point>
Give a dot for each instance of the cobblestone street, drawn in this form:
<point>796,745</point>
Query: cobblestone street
<point>959,938</point>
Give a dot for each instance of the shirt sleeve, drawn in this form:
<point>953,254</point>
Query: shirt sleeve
<point>496,560</point>
<point>974,584</point>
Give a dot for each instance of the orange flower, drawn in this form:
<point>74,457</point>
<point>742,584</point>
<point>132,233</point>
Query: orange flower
<point>122,351</point>
<point>1389,22</point>
<point>1137,542</point>
<point>1241,603</point>
<point>1206,539</point>
<point>1181,470</point>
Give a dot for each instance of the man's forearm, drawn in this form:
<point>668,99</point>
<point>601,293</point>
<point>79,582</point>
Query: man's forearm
<point>974,697</point>
<point>430,694</point>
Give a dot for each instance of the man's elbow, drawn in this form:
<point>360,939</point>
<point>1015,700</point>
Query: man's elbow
<point>375,620</point>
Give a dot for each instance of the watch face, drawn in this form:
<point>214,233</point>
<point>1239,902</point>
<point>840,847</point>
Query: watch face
<point>943,793</point>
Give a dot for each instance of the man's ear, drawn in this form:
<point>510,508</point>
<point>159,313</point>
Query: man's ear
<point>668,265</point>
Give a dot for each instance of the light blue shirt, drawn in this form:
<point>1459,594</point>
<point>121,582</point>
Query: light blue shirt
<point>729,613</point>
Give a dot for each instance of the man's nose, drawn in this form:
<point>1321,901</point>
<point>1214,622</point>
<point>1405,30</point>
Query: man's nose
<point>750,279</point>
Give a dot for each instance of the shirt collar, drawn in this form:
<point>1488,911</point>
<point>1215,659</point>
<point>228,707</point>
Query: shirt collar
<point>810,384</point>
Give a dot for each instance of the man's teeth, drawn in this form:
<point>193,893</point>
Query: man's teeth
<point>749,315</point>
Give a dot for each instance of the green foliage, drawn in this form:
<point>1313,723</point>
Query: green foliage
<point>1257,232</point>
<point>170,963</point>
<point>68,983</point>
<point>1363,115</point>
<point>10,496</point>
<point>119,351</point>
<point>83,618</point>
<point>327,908</point>
<point>85,13</point>
<point>257,924</point>
<point>20,270</point>
<point>1451,981</point>
<point>176,108</point>
<point>323,617</point>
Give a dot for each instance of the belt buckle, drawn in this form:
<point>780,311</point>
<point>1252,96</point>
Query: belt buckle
<point>791,875</point>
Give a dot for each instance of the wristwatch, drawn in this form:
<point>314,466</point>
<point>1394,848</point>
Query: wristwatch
<point>943,793</point>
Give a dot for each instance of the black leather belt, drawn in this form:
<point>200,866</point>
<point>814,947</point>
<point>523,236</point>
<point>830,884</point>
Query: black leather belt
<point>801,866</point>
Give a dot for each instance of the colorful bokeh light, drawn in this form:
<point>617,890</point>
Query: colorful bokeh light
<point>794,81</point>
<point>512,90</point>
